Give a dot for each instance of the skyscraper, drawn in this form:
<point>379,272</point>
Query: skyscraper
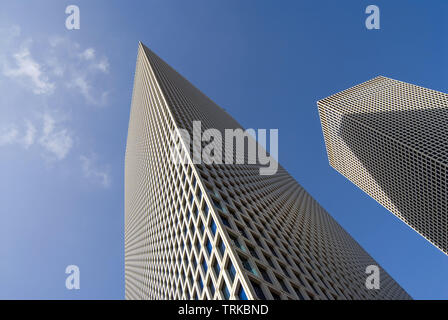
<point>390,138</point>
<point>198,231</point>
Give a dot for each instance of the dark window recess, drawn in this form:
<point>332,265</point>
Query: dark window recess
<point>258,291</point>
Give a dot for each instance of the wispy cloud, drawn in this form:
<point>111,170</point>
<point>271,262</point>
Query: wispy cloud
<point>102,65</point>
<point>95,173</point>
<point>30,71</point>
<point>66,65</point>
<point>80,82</point>
<point>8,135</point>
<point>54,68</point>
<point>88,54</point>
<point>30,134</point>
<point>57,142</point>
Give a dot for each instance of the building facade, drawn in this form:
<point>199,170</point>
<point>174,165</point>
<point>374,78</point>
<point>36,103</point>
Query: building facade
<point>198,231</point>
<point>390,138</point>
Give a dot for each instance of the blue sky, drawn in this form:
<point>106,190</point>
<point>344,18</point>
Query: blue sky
<point>64,109</point>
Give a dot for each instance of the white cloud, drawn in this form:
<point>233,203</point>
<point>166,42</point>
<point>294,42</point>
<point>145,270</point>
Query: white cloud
<point>57,142</point>
<point>12,135</point>
<point>88,54</point>
<point>102,65</point>
<point>93,172</point>
<point>80,82</point>
<point>66,65</point>
<point>8,135</point>
<point>29,70</point>
<point>30,134</point>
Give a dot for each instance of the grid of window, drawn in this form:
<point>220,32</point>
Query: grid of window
<point>223,231</point>
<point>390,139</point>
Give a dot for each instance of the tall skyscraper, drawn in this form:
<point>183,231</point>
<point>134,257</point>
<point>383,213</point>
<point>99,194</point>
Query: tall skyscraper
<point>390,138</point>
<point>198,231</point>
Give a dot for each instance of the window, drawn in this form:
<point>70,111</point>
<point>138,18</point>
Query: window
<point>236,242</point>
<point>213,227</point>
<point>211,287</point>
<point>275,295</point>
<point>216,268</point>
<point>247,265</point>
<point>209,246</point>
<point>204,265</point>
<point>271,263</point>
<point>198,246</point>
<point>252,251</point>
<point>195,211</point>
<point>201,227</point>
<point>189,245</point>
<point>273,251</point>
<point>242,294</point>
<point>298,293</point>
<point>231,270</point>
<point>225,292</point>
<point>285,271</point>
<point>282,283</point>
<point>258,241</point>
<point>258,291</point>
<point>221,247</point>
<point>242,231</point>
<point>225,221</point>
<point>217,204</point>
<point>194,262</point>
<point>265,274</point>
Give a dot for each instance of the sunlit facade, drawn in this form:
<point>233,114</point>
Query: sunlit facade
<point>390,138</point>
<point>196,231</point>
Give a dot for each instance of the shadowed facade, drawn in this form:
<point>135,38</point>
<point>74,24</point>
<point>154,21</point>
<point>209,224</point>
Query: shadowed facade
<point>197,231</point>
<point>397,151</point>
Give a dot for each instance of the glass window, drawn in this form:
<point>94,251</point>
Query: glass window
<point>225,221</point>
<point>265,274</point>
<point>225,292</point>
<point>283,284</point>
<point>216,268</point>
<point>217,204</point>
<point>213,227</point>
<point>201,284</point>
<point>196,211</point>
<point>258,291</point>
<point>242,294</point>
<point>275,295</point>
<point>209,246</point>
<point>221,247</point>
<point>211,287</point>
<point>247,265</point>
<point>231,270</point>
<point>253,252</point>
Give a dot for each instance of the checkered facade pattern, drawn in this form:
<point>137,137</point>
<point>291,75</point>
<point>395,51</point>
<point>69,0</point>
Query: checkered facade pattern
<point>390,138</point>
<point>197,231</point>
